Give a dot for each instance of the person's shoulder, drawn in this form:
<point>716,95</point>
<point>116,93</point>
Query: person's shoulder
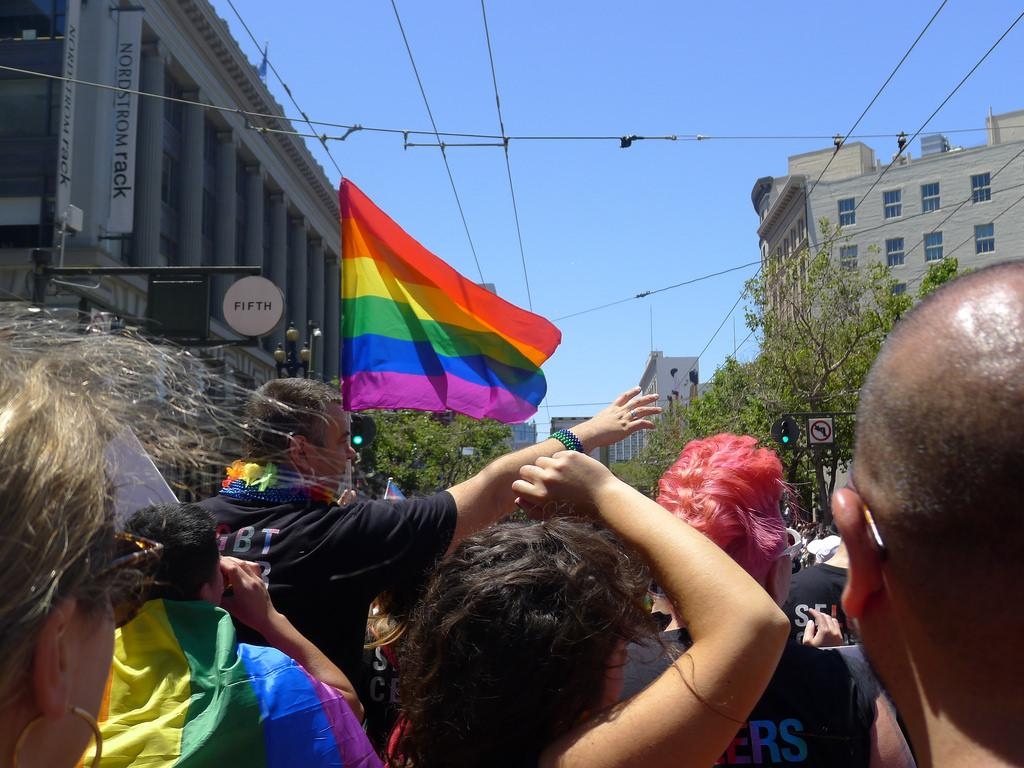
<point>441,502</point>
<point>826,669</point>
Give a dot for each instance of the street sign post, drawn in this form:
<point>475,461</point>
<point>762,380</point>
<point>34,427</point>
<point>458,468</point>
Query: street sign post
<point>821,431</point>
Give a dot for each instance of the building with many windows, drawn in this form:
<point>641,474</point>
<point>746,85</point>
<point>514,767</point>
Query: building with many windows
<point>187,173</point>
<point>961,202</point>
<point>675,380</point>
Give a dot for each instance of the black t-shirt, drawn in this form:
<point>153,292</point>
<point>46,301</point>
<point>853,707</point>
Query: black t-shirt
<point>818,709</point>
<point>819,587</point>
<point>377,689</point>
<point>325,564</point>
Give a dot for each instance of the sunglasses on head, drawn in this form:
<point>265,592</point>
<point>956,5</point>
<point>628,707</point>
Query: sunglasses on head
<point>131,570</point>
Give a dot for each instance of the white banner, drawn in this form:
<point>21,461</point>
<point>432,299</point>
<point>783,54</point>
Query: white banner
<point>128,63</point>
<point>67,109</point>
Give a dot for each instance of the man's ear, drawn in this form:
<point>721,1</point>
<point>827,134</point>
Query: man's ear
<point>864,577</point>
<point>50,677</point>
<point>779,579</point>
<point>297,452</point>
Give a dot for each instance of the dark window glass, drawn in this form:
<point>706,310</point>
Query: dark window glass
<point>981,187</point>
<point>894,251</point>
<point>892,200</point>
<point>985,238</point>
<point>847,212</point>
<point>29,100</point>
<point>848,256</point>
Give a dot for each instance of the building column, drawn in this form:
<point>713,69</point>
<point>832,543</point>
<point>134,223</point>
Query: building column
<point>277,270</point>
<point>298,271</point>
<point>332,317</point>
<point>226,225</point>
<point>149,160</point>
<point>254,217</point>
<point>315,312</point>
<point>190,238</point>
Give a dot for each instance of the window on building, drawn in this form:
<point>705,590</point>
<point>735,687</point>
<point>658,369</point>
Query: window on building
<point>848,256</point>
<point>801,229</point>
<point>892,202</point>
<point>981,187</point>
<point>894,251</point>
<point>36,20</point>
<point>209,215</point>
<point>899,288</point>
<point>169,250</point>
<point>210,145</point>
<point>169,182</point>
<point>847,212</point>
<point>930,197</point>
<point>29,99</point>
<point>933,246</point>
<point>785,246</point>
<point>985,238</point>
<point>173,110</point>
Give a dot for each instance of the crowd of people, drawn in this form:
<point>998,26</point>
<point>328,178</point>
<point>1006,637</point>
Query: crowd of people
<point>278,624</point>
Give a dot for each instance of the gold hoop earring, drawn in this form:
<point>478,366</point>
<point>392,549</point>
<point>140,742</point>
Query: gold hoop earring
<point>77,712</point>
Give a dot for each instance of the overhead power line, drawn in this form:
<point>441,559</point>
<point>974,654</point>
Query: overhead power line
<point>904,142</point>
<point>645,294</point>
<point>287,90</point>
<point>444,156</point>
<point>496,140</point>
<point>508,165</point>
<point>839,141</point>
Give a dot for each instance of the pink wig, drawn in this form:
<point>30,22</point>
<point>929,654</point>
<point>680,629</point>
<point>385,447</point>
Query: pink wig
<point>729,490</point>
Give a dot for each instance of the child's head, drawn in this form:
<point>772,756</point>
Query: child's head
<point>190,567</point>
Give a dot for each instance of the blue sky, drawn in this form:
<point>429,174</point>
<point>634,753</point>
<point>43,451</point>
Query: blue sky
<point>599,223</point>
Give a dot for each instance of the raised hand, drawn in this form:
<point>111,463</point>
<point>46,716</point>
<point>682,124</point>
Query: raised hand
<point>567,476</point>
<point>628,413</point>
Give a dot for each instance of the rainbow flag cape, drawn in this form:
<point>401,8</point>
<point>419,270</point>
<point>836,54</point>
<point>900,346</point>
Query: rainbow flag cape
<point>417,334</point>
<point>184,692</point>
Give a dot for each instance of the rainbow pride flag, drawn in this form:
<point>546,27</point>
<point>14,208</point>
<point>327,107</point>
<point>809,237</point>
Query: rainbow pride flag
<point>183,692</point>
<point>417,334</point>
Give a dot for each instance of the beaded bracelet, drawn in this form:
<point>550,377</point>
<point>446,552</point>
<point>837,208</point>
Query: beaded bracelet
<point>568,439</point>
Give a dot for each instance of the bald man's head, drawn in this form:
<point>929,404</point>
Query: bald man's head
<point>939,452</point>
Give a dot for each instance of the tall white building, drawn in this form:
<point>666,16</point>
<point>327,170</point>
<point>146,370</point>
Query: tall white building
<point>185,177</point>
<point>963,202</point>
<point>674,379</point>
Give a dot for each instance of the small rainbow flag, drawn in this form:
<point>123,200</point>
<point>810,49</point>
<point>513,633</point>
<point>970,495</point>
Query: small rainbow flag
<point>183,692</point>
<point>417,334</point>
<point>392,492</point>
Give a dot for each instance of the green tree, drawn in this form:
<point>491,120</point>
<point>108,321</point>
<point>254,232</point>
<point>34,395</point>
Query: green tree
<point>427,452</point>
<point>820,326</point>
<point>661,449</point>
<point>938,273</point>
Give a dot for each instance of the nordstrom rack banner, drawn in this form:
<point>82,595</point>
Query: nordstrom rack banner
<point>126,116</point>
<point>67,108</point>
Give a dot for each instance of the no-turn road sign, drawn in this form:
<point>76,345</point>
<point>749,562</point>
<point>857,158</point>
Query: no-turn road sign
<point>820,431</point>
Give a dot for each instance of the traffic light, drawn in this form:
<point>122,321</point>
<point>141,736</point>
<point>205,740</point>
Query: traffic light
<point>786,432</point>
<point>363,429</point>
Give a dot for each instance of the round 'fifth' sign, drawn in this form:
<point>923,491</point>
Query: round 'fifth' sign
<point>253,306</point>
<point>820,432</point>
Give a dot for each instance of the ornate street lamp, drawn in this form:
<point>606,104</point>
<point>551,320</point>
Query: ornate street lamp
<point>290,360</point>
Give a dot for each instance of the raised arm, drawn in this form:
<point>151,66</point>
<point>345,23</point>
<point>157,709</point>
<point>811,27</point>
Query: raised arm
<point>688,716</point>
<point>487,497</point>
<point>249,602</point>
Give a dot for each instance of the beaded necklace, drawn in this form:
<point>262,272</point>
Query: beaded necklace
<point>266,482</point>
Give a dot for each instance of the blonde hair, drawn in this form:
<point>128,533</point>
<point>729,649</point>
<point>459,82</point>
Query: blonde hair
<point>64,395</point>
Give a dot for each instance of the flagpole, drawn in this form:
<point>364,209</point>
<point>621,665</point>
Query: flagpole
<point>341,318</point>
